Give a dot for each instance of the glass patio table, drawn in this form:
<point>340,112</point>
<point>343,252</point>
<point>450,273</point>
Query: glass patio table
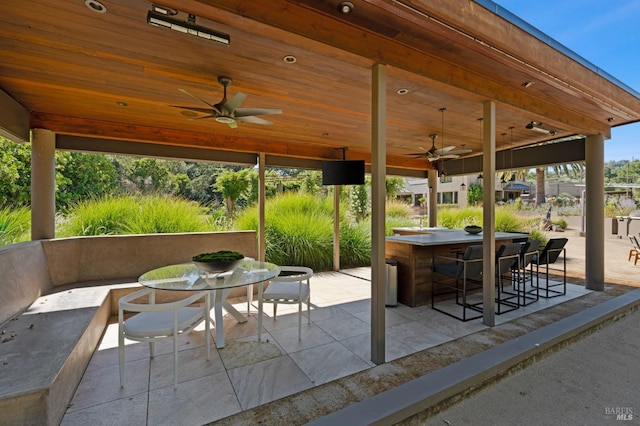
<point>187,277</point>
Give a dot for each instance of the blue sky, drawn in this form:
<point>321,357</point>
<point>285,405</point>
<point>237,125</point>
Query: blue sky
<point>605,33</point>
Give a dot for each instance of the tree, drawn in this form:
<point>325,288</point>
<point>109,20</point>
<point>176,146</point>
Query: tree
<point>474,194</point>
<point>360,205</point>
<point>15,172</point>
<point>80,176</point>
<point>540,196</point>
<point>393,186</point>
<point>232,185</point>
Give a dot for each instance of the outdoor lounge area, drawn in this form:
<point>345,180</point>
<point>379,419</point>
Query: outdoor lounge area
<point>369,77</point>
<point>242,381</point>
<point>246,374</point>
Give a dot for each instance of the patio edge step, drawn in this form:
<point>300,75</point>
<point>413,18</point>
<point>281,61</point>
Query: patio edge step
<point>425,392</point>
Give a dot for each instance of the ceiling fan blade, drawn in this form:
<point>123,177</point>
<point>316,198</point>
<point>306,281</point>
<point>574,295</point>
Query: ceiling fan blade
<point>197,98</point>
<point>447,156</point>
<point>445,149</point>
<point>460,151</point>
<point>203,110</point>
<point>253,119</point>
<point>245,112</point>
<point>234,102</point>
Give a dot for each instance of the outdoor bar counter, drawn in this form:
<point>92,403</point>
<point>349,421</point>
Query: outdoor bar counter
<point>414,254</point>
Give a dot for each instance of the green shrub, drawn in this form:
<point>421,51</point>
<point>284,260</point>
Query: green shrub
<point>299,231</point>
<point>398,209</point>
<point>456,218</point>
<point>560,223</point>
<point>134,215</point>
<point>15,224</point>
<point>164,215</point>
<point>536,234</point>
<point>355,245</point>
<point>507,221</point>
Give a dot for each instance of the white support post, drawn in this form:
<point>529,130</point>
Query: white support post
<point>378,196</point>
<point>594,240</point>
<point>336,227</point>
<point>43,185</point>
<point>432,179</point>
<point>488,213</point>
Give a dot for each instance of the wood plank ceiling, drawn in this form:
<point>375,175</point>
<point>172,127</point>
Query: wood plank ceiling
<point>75,70</point>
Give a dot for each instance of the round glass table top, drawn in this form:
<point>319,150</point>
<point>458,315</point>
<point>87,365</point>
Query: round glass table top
<point>187,276</point>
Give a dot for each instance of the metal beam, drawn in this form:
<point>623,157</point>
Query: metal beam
<point>14,120</point>
<point>123,147</point>
<point>571,151</point>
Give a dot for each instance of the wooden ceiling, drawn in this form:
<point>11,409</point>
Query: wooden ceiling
<point>74,70</point>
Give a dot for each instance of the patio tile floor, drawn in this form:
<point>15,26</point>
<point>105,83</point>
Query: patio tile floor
<point>248,373</point>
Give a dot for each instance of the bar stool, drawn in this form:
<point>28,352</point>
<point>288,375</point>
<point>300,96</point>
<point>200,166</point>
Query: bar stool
<point>465,270</point>
<point>547,256</point>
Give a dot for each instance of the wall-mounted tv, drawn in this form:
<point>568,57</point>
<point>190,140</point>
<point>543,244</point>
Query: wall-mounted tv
<point>343,172</point>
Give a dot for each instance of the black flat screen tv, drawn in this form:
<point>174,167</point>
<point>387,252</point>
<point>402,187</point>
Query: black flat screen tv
<point>343,172</point>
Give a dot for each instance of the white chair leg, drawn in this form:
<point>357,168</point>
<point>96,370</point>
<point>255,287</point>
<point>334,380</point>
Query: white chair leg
<point>299,319</point>
<point>121,355</point>
<point>260,291</point>
<point>207,327</point>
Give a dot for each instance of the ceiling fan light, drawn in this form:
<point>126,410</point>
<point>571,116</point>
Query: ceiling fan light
<point>346,7</point>
<point>225,119</point>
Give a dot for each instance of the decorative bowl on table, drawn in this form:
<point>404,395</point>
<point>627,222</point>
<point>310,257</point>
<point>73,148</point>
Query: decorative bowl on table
<point>473,229</point>
<point>218,262</point>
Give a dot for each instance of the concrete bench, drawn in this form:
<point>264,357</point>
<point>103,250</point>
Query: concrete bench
<point>57,297</point>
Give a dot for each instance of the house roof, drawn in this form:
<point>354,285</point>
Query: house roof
<point>110,81</point>
<point>516,187</point>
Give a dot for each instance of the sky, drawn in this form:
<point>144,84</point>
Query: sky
<point>605,33</point>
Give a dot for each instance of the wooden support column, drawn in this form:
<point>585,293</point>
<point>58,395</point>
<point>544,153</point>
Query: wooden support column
<point>378,196</point>
<point>43,185</point>
<point>594,240</point>
<point>488,213</point>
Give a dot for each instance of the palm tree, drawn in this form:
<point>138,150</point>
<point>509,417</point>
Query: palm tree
<point>540,186</point>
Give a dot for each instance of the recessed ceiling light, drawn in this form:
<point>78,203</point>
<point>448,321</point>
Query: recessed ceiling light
<point>325,134</point>
<point>290,59</point>
<point>403,91</point>
<point>346,7</point>
<point>122,104</point>
<point>95,5</point>
<point>610,119</point>
<point>527,84</point>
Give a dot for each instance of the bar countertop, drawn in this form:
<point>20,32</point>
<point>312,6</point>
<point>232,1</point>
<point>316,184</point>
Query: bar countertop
<point>435,238</point>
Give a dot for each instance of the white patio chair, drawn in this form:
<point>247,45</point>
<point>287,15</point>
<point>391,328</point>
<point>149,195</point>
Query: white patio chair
<point>159,321</point>
<point>289,288</point>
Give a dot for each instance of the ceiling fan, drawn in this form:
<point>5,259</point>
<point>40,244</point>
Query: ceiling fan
<point>228,111</point>
<point>435,154</point>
